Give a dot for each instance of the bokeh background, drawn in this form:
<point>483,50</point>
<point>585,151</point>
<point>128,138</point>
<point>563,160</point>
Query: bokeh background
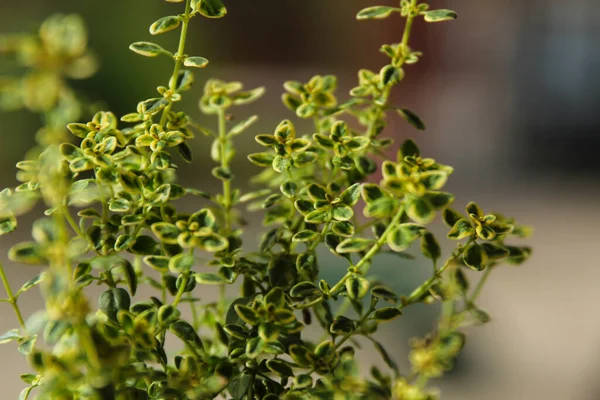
<point>510,93</point>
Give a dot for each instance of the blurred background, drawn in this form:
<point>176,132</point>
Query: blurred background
<point>510,93</point>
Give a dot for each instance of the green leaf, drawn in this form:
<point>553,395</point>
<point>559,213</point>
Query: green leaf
<point>211,8</point>
<point>7,224</point>
<point>27,253</point>
<point>113,300</point>
<point>147,49</point>
<point>247,96</point>
<point>209,279</point>
<point>461,229</point>
<point>351,195</point>
<point>158,263</point>
<point>10,335</point>
<point>195,62</point>
<point>390,75</point>
<point>247,314</point>
<point>433,180</point>
<point>408,149</point>
<point>166,232</point>
<point>213,243</point>
<point>130,276</point>
<point>305,236</point>
<point>181,263</point>
<point>518,255</point>
<point>439,200</point>
<point>387,314</point>
<point>36,280</point>
<point>27,346</point>
<point>430,246</point>
<point>439,15</point>
<point>473,208</point>
<point>280,367</point>
<point>303,381</point>
<point>239,385</point>
<point>342,326</point>
<point>376,12</point>
<point>236,331</point>
<point>381,208</point>
<point>130,182</point>
<point>357,287</point>
<point>317,192</point>
<point>475,257</point>
<point>24,395</point>
<point>342,212</point>
<point>323,141</point>
<point>320,216</point>
<point>301,355</point>
<point>164,24</point>
<point>354,245</point>
<point>383,292</point>
<point>167,313</point>
<point>386,356</point>
<point>304,290</point>
<point>184,331</point>
<point>222,173</point>
<point>411,118</point>
<point>402,237</point>
<point>420,211</point>
<point>262,159</point>
<point>242,126</point>
<point>343,228</point>
<point>268,332</point>
<point>371,192</point>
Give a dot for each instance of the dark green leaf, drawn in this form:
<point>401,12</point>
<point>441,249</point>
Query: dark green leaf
<point>475,257</point>
<point>209,279</point>
<point>195,62</point>
<point>113,300</point>
<point>239,385</point>
<point>354,245</point>
<point>184,331</point>
<point>211,8</point>
<point>387,314</point>
<point>147,49</point>
<point>357,287</point>
<point>439,15</point>
<point>412,118</point>
<point>430,246</point>
<point>376,12</point>
<point>164,24</point>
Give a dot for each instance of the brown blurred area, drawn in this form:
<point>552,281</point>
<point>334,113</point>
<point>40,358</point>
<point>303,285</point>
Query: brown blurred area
<point>510,95</point>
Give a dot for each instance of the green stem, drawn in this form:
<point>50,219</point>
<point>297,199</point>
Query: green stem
<point>360,322</point>
<point>178,59</point>
<point>480,285</point>
<point>181,290</point>
<point>405,38</point>
<point>223,142</point>
<point>373,251</point>
<point>11,298</point>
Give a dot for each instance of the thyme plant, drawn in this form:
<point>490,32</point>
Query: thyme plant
<point>109,192</point>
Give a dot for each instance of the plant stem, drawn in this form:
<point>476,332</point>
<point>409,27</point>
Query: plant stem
<point>480,284</point>
<point>181,290</point>
<point>178,59</point>
<point>405,38</point>
<point>11,297</point>
<point>374,250</point>
<point>223,142</point>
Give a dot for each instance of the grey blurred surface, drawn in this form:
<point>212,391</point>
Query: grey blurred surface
<point>510,93</point>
